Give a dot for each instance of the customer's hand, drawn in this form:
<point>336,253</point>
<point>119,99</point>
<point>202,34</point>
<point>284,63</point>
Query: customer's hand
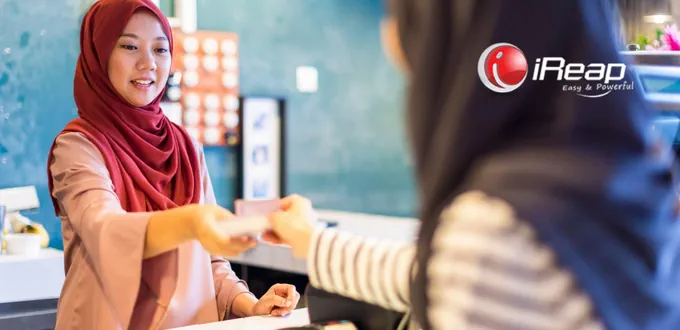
<point>280,300</point>
<point>293,225</point>
<point>204,220</point>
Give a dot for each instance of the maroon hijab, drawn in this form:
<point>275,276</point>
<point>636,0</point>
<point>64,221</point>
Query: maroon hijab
<point>152,162</point>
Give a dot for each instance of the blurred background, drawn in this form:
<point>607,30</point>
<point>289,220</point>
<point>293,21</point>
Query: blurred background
<point>345,144</point>
<point>345,141</point>
<point>287,96</point>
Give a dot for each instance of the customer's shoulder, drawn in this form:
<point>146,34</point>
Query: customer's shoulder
<point>483,251</point>
<point>479,209</point>
<point>491,226</point>
<point>481,227</point>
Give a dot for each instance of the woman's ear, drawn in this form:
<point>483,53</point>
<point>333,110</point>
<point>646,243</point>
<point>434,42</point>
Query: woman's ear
<point>389,34</point>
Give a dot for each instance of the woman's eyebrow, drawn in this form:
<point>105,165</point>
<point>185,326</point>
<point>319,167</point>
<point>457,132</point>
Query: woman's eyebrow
<point>134,36</point>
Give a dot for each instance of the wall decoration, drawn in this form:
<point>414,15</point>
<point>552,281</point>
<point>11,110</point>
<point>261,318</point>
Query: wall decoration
<point>262,151</point>
<point>208,64</point>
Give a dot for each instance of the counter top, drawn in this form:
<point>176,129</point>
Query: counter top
<point>42,276</point>
<point>31,278</point>
<point>298,317</point>
<point>44,254</point>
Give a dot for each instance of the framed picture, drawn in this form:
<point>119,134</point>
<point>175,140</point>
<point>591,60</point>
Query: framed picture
<point>262,148</point>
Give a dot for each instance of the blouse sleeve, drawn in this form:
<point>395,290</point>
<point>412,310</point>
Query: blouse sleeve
<point>113,239</point>
<point>488,270</point>
<point>227,285</point>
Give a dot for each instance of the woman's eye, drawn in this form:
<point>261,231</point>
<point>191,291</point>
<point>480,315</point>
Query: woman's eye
<point>128,47</point>
<point>162,50</point>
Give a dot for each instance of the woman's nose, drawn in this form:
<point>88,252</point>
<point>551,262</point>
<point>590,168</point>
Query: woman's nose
<point>147,61</point>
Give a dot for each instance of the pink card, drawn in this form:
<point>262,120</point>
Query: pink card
<point>256,207</point>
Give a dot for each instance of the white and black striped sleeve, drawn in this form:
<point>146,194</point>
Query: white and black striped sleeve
<point>487,271</point>
<point>374,271</point>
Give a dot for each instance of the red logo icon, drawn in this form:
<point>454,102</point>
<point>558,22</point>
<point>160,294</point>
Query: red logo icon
<point>502,67</point>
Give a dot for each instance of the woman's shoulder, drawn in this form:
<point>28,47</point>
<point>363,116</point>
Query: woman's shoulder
<point>75,147</point>
<point>198,146</point>
<point>76,165</point>
<point>73,137</point>
<point>200,155</point>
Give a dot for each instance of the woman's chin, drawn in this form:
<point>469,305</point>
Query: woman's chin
<point>139,101</point>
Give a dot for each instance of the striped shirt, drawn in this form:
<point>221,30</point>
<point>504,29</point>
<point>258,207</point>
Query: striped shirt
<point>487,271</point>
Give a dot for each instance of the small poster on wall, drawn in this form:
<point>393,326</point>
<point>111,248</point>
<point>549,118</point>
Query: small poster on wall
<point>262,148</point>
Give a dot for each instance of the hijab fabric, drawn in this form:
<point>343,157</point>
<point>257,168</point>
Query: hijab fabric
<point>576,169</point>
<point>152,161</point>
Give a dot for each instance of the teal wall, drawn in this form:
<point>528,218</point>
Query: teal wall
<point>346,143</point>
<point>346,146</point>
<point>38,51</point>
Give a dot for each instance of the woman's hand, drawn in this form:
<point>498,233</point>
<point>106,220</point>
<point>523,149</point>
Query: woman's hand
<point>170,228</point>
<point>205,220</point>
<point>280,300</point>
<point>293,225</point>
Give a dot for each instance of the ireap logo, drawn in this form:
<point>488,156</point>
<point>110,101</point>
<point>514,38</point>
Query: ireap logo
<point>503,68</point>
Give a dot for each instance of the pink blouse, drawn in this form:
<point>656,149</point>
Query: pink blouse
<point>108,283</point>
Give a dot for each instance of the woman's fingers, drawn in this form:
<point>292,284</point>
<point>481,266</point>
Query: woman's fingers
<point>279,220</point>
<point>271,237</point>
<point>217,234</point>
<point>292,297</point>
<point>239,245</point>
<point>273,303</point>
<point>224,214</point>
<point>288,201</point>
<point>221,244</point>
<point>294,202</point>
<point>208,222</point>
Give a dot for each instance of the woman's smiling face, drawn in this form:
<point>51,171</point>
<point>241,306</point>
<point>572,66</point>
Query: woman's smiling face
<point>140,62</point>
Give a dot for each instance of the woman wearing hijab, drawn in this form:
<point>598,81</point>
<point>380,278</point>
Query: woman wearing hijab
<point>540,209</point>
<point>139,219</point>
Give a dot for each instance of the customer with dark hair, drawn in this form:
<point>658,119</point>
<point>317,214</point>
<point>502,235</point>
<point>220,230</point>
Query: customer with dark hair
<point>540,209</point>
